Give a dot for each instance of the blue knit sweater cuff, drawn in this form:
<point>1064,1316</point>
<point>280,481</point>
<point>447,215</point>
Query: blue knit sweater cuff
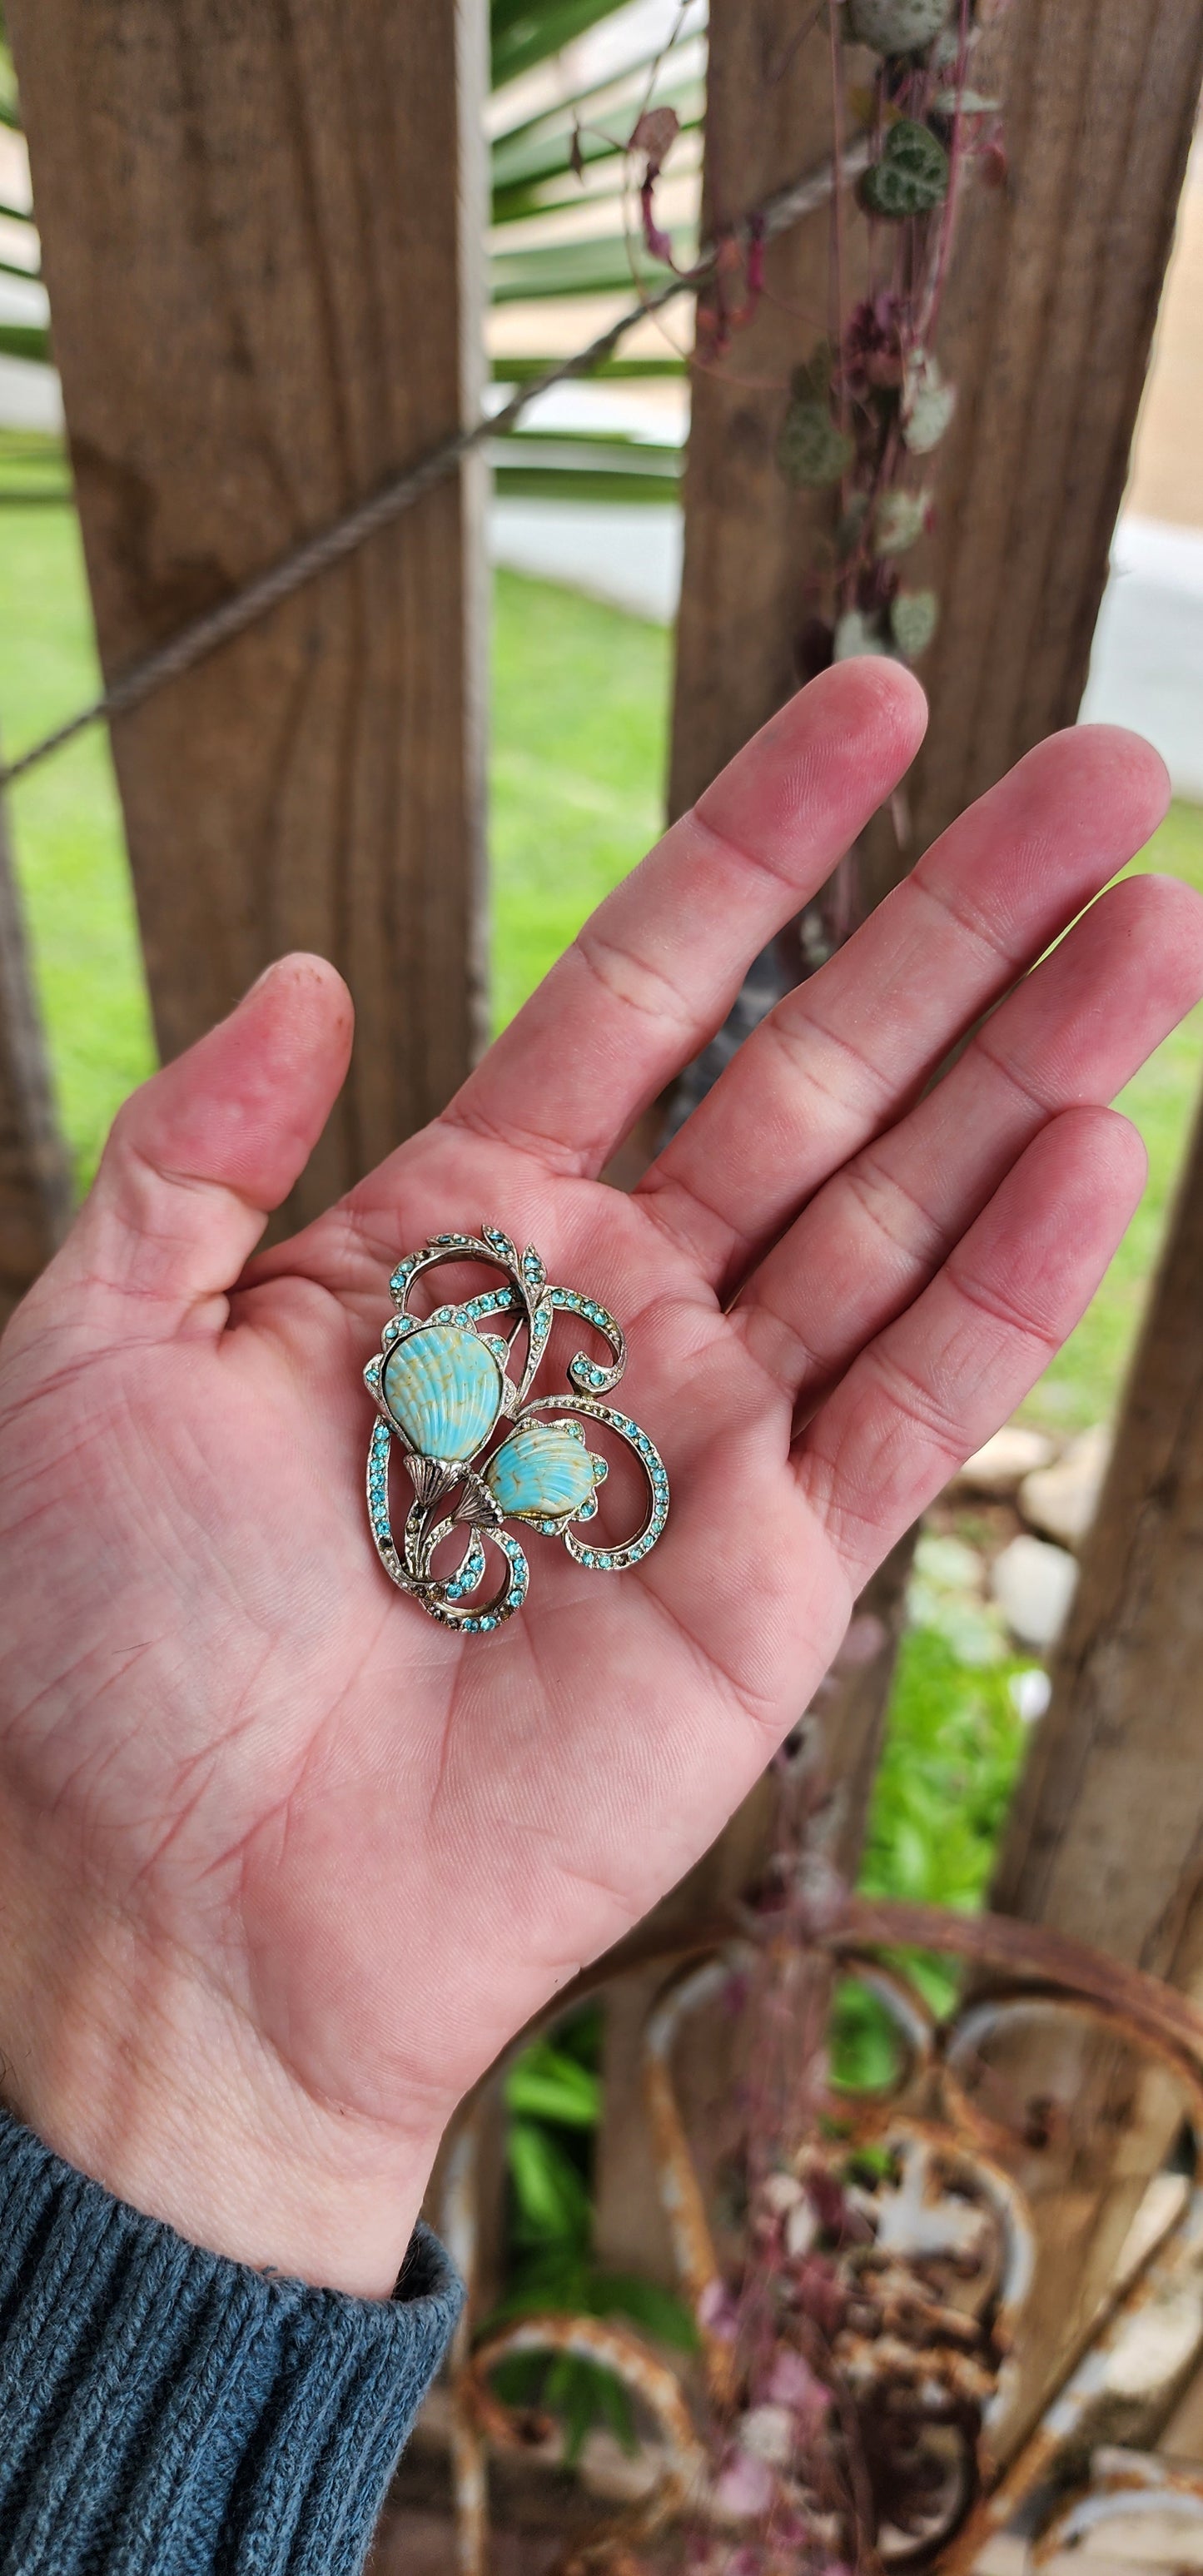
<point>165,2412</point>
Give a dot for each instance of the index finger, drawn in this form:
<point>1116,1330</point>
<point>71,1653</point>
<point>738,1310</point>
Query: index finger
<point>656,969</point>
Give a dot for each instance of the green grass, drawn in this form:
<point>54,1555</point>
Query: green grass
<point>66,826</point>
<point>580,698</point>
<point>1083,1383</point>
<point>579,721</point>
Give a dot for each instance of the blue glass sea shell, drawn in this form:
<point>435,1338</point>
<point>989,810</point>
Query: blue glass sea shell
<point>543,1472</point>
<point>442,1386</point>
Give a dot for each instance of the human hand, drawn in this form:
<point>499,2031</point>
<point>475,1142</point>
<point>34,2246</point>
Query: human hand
<point>283,1864</point>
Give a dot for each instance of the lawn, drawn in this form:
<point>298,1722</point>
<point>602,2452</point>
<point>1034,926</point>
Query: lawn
<point>580,697</point>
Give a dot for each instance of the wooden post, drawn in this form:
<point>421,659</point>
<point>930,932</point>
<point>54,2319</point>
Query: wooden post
<point>262,233</point>
<point>35,1187</point>
<point>1106,1838</point>
<point>749,538</point>
<point>1046,333</point>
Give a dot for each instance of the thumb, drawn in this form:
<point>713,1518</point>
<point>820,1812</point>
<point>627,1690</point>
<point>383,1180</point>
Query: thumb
<point>201,1153</point>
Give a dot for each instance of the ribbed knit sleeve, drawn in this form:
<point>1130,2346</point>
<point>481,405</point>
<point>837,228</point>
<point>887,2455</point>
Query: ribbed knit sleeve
<point>165,2412</point>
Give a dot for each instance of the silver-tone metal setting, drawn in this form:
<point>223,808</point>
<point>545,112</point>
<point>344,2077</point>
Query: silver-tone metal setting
<point>452,1495</point>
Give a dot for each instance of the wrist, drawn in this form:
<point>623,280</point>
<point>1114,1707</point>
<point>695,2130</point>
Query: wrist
<point>131,2067</point>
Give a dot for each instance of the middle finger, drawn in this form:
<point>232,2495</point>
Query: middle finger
<point>844,1054</point>
<point>1071,1035</point>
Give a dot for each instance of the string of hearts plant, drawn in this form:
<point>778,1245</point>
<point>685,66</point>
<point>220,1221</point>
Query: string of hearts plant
<point>870,405</point>
<point>867,408</point>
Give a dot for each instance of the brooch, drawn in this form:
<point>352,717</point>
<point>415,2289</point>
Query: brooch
<point>442,1390</point>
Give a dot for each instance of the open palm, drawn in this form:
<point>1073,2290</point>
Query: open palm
<point>308,1859</point>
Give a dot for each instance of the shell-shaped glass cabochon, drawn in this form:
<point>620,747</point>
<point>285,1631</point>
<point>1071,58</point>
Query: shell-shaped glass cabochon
<point>442,1386</point>
<point>543,1472</point>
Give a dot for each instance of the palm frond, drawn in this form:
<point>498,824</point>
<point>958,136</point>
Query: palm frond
<point>525,32</point>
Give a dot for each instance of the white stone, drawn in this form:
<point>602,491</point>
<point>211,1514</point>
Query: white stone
<point>768,2433</point>
<point>1061,1501</point>
<point>781,2191</point>
<point>1030,1693</point>
<point>998,1468</point>
<point>1033,1585</point>
<point>801,2230</point>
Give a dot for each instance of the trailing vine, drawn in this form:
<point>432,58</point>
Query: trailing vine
<point>867,407</point>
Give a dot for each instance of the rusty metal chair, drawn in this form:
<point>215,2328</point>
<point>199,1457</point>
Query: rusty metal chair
<point>907,2212</point>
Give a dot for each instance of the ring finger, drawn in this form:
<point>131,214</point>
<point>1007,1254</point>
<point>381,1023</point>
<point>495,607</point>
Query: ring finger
<point>1071,1034</point>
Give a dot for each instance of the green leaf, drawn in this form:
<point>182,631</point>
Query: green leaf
<point>897,521</point>
<point>550,2194</point>
<point>583,2393</point>
<point>608,265</point>
<point>519,2379</point>
<point>590,105</point>
<point>582,466</point>
<point>525,32</point>
<point>527,162</point>
<point>547,2085</point>
<point>857,632</point>
<point>580,483</point>
<point>24,340</point>
<point>517,371</point>
<point>555,2280</point>
<point>953,1746</point>
<point>866,2053</point>
<point>914,616</point>
<point>658,2311</point>
<point>911,176</point>
<point>928,404</point>
<point>811,451</point>
<point>615,2407</point>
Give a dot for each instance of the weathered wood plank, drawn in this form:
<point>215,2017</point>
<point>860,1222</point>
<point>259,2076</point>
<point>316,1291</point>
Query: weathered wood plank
<point>1046,332</point>
<point>749,538</point>
<point>262,233</point>
<point>1050,321</point>
<point>35,1185</point>
<point>1106,1838</point>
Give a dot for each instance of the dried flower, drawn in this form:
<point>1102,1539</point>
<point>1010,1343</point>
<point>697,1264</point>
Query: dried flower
<point>872,355</point>
<point>655,134</point>
<point>744,2485</point>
